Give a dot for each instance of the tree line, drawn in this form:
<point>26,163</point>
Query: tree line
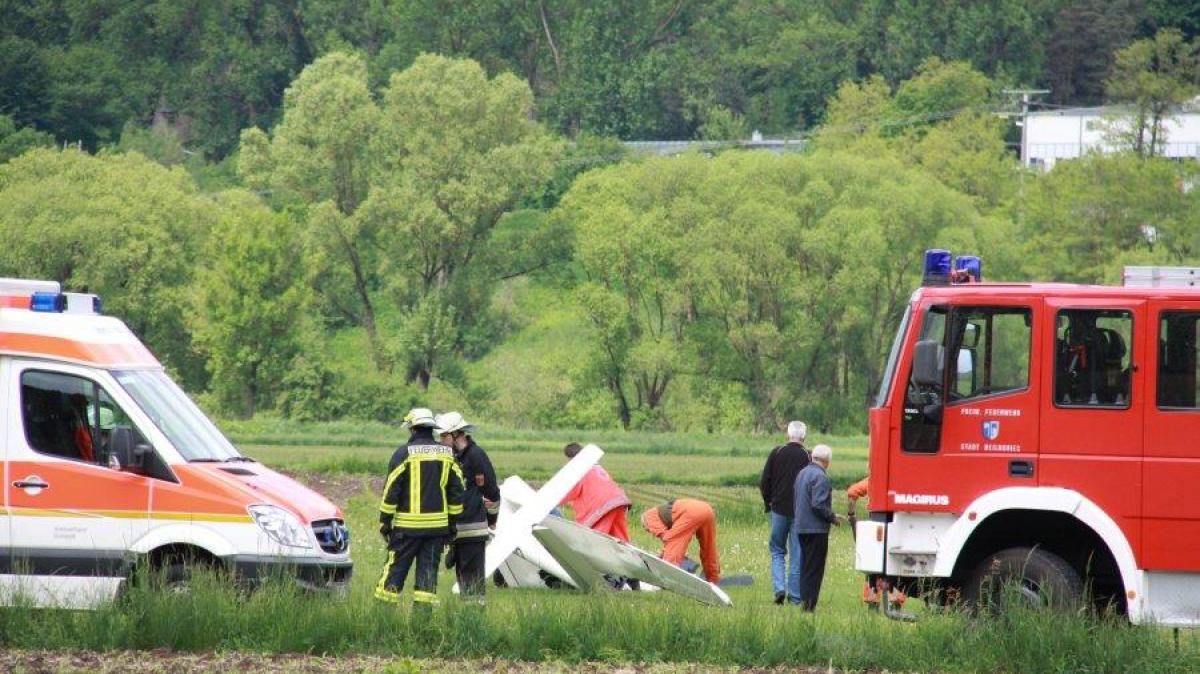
<point>83,70</point>
<point>426,239</point>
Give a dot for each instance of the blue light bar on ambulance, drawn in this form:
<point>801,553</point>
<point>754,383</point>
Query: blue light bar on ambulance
<point>937,267</point>
<point>82,303</point>
<point>968,265</point>
<point>48,302</point>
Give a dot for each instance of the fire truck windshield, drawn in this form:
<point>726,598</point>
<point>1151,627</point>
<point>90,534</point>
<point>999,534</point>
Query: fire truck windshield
<point>889,372</point>
<point>196,438</point>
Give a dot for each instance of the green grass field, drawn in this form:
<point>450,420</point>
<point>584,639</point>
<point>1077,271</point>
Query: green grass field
<point>637,458</point>
<point>557,628</point>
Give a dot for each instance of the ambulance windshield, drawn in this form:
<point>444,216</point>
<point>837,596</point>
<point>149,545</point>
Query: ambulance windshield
<point>196,438</point>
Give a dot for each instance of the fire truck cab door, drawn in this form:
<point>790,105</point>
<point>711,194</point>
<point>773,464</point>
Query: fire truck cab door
<point>980,432</point>
<point>1093,392</point>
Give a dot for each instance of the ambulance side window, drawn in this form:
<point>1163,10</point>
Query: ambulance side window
<point>1178,380</point>
<point>55,408</point>
<point>69,416</point>
<point>1092,362</point>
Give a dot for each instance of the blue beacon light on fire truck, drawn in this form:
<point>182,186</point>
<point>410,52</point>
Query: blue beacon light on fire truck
<point>941,268</point>
<point>970,266</point>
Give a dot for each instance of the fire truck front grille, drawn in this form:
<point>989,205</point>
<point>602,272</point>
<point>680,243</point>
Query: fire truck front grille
<point>332,535</point>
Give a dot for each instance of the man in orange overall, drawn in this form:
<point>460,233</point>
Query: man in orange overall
<point>870,592</point>
<point>675,522</point>
<point>598,501</point>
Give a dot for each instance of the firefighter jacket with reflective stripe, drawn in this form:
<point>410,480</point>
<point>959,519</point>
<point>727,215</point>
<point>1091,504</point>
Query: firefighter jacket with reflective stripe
<point>480,480</point>
<point>424,491</point>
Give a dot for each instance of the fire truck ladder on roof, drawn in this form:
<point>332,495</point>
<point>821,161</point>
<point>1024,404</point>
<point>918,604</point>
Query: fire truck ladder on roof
<point>1161,277</point>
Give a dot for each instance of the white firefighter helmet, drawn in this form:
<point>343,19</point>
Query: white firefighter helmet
<point>451,422</point>
<point>419,416</point>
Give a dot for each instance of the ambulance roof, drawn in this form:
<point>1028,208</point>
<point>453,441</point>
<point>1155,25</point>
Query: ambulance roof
<point>89,339</point>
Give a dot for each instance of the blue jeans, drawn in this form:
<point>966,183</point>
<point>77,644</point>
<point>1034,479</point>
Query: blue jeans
<point>784,544</point>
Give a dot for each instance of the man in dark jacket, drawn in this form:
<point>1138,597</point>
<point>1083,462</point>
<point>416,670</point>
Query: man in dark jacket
<point>778,481</point>
<point>481,500</point>
<point>814,514</point>
<point>421,497</point>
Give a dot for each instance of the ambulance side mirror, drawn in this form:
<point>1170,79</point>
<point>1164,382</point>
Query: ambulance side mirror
<point>927,363</point>
<point>131,456</point>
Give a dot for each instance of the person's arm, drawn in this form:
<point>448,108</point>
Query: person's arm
<point>391,497</point>
<point>489,489</point>
<point>398,458</point>
<point>858,489</point>
<point>454,490</point>
<point>575,493</point>
<point>764,483</point>
<point>821,498</point>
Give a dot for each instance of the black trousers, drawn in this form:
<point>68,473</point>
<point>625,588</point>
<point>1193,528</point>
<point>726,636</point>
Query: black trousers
<point>813,550</point>
<point>403,550</point>
<point>468,565</point>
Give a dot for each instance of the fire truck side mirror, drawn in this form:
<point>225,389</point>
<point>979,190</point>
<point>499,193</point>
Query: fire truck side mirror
<point>927,363</point>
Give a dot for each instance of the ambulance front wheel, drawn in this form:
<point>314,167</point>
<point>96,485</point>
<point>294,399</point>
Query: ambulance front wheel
<point>1029,576</point>
<point>176,572</point>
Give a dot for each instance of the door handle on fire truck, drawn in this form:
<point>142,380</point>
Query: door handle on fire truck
<point>1020,469</point>
<point>30,484</point>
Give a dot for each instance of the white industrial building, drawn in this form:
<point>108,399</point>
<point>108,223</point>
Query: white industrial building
<point>1051,135</point>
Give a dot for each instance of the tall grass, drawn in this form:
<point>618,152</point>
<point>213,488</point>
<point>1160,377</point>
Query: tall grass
<point>553,626</point>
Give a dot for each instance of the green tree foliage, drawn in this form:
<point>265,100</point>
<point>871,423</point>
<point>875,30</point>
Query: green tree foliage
<point>82,70</point>
<point>16,141</point>
<point>1005,37</point>
<point>1088,216</point>
<point>402,197</point>
<point>781,275</point>
<point>159,142</point>
<point>939,90</point>
<point>1077,67</point>
<point>937,120</point>
<point>120,226</point>
<point>1151,77</point>
<point>721,123</point>
<point>650,70</point>
<point>249,307</point>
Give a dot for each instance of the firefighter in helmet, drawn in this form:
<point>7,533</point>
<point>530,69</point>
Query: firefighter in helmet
<point>481,502</point>
<point>421,498</point>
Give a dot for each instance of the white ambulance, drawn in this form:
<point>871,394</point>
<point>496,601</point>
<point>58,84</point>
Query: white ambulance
<point>109,466</point>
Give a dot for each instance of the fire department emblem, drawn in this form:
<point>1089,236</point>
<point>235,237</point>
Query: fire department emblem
<point>991,429</point>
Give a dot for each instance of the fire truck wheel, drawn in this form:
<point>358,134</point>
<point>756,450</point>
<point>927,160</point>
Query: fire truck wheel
<point>1027,575</point>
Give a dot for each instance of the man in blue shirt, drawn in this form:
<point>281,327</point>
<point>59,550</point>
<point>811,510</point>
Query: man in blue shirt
<point>814,514</point>
<point>777,485</point>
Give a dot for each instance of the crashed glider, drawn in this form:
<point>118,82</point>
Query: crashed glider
<point>534,549</point>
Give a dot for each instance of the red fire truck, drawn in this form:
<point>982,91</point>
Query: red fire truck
<point>1046,434</point>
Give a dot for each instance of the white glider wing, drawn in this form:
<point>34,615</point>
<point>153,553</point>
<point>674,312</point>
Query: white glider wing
<point>515,529</point>
<point>583,551</point>
<point>521,568</point>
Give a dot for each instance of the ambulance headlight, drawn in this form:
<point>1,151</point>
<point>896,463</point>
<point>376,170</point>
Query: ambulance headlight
<point>281,525</point>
